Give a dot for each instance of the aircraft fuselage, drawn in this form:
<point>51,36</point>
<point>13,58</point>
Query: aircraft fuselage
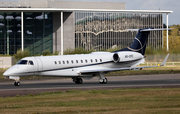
<point>71,65</point>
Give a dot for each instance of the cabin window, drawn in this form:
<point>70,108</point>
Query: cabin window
<point>76,61</point>
<point>100,60</point>
<point>55,62</point>
<point>86,60</point>
<point>96,60</point>
<point>63,62</point>
<point>31,63</point>
<point>81,61</point>
<point>59,62</point>
<point>72,61</point>
<point>67,62</point>
<point>91,60</point>
<point>22,62</point>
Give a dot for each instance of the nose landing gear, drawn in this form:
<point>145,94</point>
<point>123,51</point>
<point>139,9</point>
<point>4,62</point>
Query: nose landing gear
<point>16,78</point>
<point>17,83</point>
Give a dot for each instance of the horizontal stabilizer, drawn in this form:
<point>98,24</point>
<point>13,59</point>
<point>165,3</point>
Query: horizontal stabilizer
<point>163,63</point>
<point>149,29</point>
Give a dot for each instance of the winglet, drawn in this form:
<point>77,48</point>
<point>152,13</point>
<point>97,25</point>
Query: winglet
<point>163,63</point>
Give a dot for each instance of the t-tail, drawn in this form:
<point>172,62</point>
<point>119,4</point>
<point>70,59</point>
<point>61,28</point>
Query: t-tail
<point>140,41</point>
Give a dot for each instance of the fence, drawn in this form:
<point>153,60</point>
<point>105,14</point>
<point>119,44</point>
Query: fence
<point>159,63</point>
<point>151,60</point>
<point>160,58</point>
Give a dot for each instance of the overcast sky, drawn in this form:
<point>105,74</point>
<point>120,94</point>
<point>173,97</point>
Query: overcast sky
<point>172,5</point>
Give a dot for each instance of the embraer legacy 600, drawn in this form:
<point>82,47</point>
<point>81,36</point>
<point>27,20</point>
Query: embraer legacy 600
<point>85,66</point>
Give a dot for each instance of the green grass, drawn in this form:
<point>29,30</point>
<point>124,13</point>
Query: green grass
<point>116,101</point>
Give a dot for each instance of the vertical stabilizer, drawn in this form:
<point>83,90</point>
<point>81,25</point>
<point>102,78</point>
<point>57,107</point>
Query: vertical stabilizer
<point>140,41</point>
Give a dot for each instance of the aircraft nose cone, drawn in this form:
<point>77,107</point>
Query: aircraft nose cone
<point>10,71</point>
<point>6,73</point>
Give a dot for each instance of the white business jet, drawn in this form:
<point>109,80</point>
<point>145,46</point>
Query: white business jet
<point>85,66</point>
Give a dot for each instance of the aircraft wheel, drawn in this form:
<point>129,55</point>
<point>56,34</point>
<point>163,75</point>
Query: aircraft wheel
<point>17,83</point>
<point>76,82</point>
<point>104,81</point>
<point>79,81</point>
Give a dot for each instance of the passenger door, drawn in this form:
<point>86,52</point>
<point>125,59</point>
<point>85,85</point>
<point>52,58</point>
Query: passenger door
<point>39,64</point>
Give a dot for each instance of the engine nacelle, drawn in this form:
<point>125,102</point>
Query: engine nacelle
<point>126,56</point>
<point>116,58</point>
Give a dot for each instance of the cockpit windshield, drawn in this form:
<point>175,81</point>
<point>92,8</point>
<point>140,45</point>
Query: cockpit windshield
<point>22,62</point>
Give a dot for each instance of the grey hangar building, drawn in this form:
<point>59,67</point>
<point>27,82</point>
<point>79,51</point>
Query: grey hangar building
<point>60,25</point>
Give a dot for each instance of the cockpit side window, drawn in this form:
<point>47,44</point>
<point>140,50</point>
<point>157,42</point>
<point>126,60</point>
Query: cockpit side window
<point>31,63</point>
<point>22,62</point>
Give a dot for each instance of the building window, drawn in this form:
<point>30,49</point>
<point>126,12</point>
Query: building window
<point>38,32</point>
<point>114,23</point>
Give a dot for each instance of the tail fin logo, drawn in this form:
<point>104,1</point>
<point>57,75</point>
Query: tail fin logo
<point>139,43</point>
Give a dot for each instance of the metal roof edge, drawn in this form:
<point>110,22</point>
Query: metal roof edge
<point>79,10</point>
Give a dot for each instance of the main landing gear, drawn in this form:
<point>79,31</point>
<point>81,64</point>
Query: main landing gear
<point>102,79</point>
<point>78,80</point>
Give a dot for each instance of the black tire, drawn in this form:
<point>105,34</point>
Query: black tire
<point>80,80</point>
<point>17,83</point>
<point>104,81</point>
<point>76,82</point>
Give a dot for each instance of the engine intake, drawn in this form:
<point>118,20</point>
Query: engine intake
<point>116,58</point>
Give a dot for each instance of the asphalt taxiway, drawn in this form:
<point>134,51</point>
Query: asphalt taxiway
<point>38,86</point>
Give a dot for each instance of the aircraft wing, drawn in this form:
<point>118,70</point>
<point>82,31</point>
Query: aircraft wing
<point>114,69</point>
<point>120,69</point>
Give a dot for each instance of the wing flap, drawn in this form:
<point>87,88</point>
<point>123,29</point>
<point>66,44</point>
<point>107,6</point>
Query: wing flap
<point>104,70</point>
